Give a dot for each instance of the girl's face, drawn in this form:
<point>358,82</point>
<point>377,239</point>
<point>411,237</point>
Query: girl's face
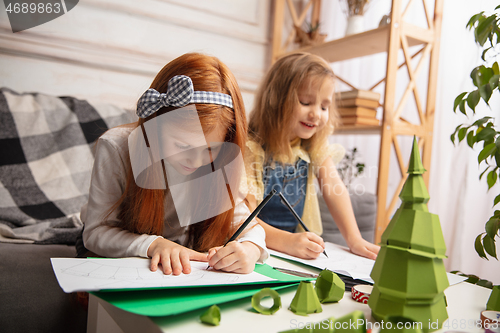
<point>189,151</point>
<point>312,111</point>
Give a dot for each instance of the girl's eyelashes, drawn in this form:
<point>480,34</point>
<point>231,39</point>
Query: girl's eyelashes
<point>304,103</point>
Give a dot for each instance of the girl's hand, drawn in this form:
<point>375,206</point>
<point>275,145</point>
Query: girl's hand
<point>173,257</point>
<point>235,257</point>
<point>305,245</point>
<point>364,248</point>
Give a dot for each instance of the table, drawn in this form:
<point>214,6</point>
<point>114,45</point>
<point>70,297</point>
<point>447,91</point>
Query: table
<point>465,303</point>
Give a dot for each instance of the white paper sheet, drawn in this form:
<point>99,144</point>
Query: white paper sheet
<point>341,260</point>
<point>74,274</point>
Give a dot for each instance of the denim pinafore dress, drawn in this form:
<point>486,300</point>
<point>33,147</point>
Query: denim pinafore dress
<point>291,181</point>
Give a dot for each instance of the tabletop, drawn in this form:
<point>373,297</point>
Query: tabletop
<point>465,303</point>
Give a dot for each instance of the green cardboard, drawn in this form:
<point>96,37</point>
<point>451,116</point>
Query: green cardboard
<point>494,299</point>
<point>172,301</point>
<point>266,292</point>
<point>305,300</point>
<point>329,287</point>
<point>211,316</point>
<point>409,274</point>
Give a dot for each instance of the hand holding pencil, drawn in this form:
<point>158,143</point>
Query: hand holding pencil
<point>232,256</point>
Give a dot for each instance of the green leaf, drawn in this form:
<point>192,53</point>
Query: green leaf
<point>482,173</point>
<point>491,179</point>
<point>483,54</point>
<point>482,121</point>
<point>485,92</point>
<point>489,246</point>
<point>485,74</point>
<point>471,139</point>
<point>472,278</point>
<point>497,154</point>
<point>495,68</point>
<point>494,81</point>
<point>473,100</point>
<point>487,151</point>
<point>485,134</point>
<point>485,284</point>
<point>479,247</point>
<point>474,75</point>
<point>473,20</point>
<point>484,28</point>
<point>458,99</point>
<point>461,106</point>
<point>496,201</point>
<point>492,226</point>
<point>461,133</point>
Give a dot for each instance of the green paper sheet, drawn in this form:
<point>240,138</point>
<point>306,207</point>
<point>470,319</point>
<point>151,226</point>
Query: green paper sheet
<point>171,301</point>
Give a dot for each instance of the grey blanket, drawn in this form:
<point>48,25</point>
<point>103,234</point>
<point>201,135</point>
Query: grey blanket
<point>46,157</point>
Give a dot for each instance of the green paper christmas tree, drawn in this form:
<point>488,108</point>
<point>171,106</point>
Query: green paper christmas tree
<point>409,274</point>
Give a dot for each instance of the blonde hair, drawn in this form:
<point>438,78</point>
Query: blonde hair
<point>276,101</point>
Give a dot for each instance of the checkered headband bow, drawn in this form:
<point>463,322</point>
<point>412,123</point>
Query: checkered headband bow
<point>180,92</point>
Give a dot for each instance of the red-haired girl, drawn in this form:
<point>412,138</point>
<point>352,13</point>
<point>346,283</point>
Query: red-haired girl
<point>156,184</point>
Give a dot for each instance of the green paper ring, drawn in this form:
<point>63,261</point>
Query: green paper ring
<point>264,293</point>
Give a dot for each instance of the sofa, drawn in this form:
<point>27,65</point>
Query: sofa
<point>46,156</point>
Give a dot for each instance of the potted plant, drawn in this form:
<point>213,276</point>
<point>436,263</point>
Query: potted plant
<point>349,168</point>
<point>483,131</point>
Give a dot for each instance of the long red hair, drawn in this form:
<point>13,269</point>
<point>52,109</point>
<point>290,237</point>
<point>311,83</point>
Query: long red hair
<point>142,210</point>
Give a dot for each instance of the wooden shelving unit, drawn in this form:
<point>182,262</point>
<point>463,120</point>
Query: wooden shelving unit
<point>390,39</point>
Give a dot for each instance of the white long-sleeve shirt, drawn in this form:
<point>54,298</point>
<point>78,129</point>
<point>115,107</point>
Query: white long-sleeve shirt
<point>108,184</point>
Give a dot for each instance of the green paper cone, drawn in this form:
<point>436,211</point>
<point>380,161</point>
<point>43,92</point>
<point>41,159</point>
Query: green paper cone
<point>494,300</point>
<point>265,292</point>
<point>211,316</point>
<point>305,300</point>
<point>329,287</point>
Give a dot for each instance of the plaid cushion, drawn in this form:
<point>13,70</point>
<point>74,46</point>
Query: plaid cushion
<point>46,157</point>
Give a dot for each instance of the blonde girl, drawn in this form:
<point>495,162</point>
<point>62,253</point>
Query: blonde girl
<point>292,118</point>
<point>138,204</point>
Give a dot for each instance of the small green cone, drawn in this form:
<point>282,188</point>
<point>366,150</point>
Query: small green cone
<point>329,287</point>
<point>494,300</point>
<point>305,300</point>
<point>211,316</point>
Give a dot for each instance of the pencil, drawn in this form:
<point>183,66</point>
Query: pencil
<point>297,217</point>
<point>250,218</point>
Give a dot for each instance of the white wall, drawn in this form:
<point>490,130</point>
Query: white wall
<point>110,50</point>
